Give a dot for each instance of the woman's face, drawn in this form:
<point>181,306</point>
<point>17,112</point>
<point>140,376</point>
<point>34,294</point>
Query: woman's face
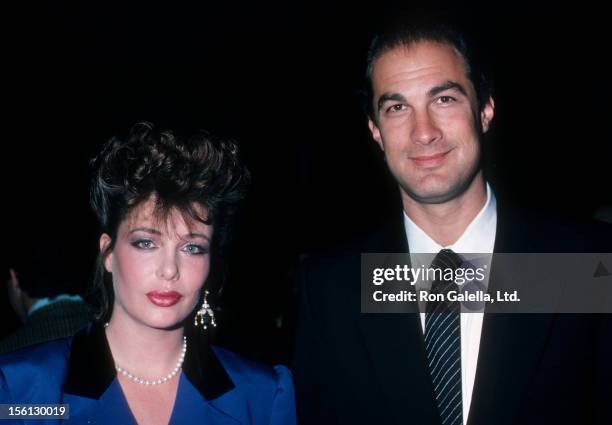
<point>158,268</point>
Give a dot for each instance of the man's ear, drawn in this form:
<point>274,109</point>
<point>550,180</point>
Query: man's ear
<point>487,113</point>
<point>14,282</point>
<point>105,242</point>
<point>375,133</point>
<point>19,299</point>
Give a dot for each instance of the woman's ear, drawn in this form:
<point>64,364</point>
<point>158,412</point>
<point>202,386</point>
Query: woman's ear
<point>105,242</point>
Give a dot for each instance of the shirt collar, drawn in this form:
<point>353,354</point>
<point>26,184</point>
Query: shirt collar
<point>478,237</point>
<point>43,302</point>
<point>91,367</point>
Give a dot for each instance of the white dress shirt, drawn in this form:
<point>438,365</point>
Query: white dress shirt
<point>478,237</point>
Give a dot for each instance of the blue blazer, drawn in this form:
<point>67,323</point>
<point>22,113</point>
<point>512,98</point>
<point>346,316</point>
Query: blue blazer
<point>216,386</point>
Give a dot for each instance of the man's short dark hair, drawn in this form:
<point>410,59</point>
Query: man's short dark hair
<point>406,34</point>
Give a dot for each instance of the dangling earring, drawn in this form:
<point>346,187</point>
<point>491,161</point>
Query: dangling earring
<point>205,314</point>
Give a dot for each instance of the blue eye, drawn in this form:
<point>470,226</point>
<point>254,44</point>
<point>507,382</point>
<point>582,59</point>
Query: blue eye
<point>194,249</point>
<point>143,244</point>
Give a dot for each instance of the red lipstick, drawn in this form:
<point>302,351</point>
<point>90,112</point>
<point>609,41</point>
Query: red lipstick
<point>164,298</point>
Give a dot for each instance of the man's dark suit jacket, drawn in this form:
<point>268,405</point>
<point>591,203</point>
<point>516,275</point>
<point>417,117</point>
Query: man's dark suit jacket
<point>352,368</point>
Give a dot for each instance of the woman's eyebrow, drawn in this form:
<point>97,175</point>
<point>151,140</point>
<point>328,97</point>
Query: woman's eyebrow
<point>146,229</point>
<point>197,235</point>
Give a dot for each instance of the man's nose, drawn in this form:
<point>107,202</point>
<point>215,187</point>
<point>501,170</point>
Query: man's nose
<point>425,130</point>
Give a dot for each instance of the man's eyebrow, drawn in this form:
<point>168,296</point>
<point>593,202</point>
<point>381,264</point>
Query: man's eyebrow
<point>385,97</point>
<point>447,85</point>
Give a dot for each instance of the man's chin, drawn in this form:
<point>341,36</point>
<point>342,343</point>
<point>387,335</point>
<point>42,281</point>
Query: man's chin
<point>435,195</point>
<point>432,199</point>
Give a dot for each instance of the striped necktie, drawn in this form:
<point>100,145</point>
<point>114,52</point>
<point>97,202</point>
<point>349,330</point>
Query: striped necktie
<point>443,343</point>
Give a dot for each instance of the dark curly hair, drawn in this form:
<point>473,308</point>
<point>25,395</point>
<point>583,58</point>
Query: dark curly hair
<point>187,175</point>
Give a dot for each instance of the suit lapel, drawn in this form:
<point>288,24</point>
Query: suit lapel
<point>110,408</point>
<point>510,344</point>
<point>395,345</point>
<point>224,410</point>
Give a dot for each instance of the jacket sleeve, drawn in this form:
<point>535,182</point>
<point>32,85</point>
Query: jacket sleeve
<point>602,413</point>
<point>6,398</point>
<point>5,395</point>
<point>283,406</point>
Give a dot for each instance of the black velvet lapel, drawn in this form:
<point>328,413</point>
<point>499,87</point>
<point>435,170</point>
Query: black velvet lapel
<point>203,368</point>
<point>91,367</point>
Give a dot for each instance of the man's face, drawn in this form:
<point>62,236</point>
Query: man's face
<point>427,120</point>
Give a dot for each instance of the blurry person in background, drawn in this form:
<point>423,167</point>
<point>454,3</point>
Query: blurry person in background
<point>45,280</point>
<point>603,213</point>
<point>164,206</point>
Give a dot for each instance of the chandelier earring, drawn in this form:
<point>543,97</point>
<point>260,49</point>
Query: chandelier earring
<point>205,316</point>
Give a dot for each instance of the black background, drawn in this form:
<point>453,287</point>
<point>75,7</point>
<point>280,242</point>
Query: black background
<point>281,79</point>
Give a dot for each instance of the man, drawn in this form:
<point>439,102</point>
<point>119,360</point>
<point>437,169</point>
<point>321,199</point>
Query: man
<point>42,281</point>
<point>429,108</point>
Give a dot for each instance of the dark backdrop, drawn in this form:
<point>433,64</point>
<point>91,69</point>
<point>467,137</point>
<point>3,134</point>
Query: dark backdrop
<point>281,78</point>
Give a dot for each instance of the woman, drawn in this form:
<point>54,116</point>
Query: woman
<point>164,207</point>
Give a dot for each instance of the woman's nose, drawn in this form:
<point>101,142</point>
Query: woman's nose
<point>168,268</point>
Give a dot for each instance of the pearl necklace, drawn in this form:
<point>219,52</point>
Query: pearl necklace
<point>141,381</point>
